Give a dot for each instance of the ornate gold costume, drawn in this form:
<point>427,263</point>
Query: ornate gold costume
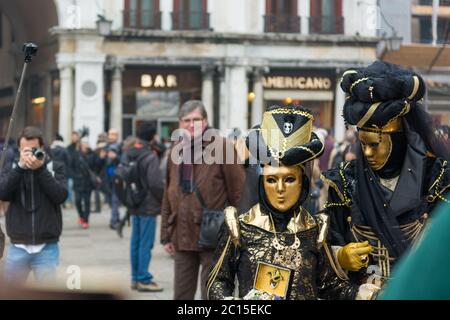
<point>311,274</point>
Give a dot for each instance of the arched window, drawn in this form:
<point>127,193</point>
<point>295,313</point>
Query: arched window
<point>326,17</point>
<point>281,16</point>
<point>190,15</point>
<point>142,14</point>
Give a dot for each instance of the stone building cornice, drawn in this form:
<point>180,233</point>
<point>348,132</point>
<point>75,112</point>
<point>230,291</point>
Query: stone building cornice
<point>201,36</point>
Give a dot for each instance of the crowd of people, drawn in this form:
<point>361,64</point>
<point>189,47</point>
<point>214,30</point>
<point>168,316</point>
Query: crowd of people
<point>294,215</point>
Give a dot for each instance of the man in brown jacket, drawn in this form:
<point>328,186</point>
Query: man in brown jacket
<point>2,242</point>
<point>219,184</point>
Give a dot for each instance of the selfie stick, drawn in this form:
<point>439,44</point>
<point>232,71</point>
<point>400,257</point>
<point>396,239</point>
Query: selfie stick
<point>29,49</point>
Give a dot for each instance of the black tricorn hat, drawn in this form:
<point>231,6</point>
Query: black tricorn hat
<point>285,136</point>
<point>380,94</point>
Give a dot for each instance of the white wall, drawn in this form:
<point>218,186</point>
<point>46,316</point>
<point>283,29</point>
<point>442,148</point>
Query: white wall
<point>228,16</point>
<point>398,15</point>
<point>76,14</point>
<point>360,17</point>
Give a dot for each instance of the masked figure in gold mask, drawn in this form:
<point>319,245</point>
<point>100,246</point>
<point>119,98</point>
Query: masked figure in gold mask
<point>379,203</point>
<point>277,250</point>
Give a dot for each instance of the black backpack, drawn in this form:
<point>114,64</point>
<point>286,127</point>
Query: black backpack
<point>127,183</point>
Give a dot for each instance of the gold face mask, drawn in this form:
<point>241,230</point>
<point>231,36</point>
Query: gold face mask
<point>377,148</point>
<point>283,186</point>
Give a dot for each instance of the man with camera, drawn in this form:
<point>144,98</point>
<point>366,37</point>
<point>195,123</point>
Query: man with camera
<point>36,187</point>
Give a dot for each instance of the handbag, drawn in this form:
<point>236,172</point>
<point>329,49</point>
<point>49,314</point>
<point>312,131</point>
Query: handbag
<point>212,220</point>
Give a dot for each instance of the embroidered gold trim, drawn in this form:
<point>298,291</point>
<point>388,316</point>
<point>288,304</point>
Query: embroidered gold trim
<point>335,266</point>
<point>368,114</point>
<point>415,88</point>
<point>333,185</point>
<point>347,72</point>
<point>357,82</point>
<point>216,269</point>
<point>300,222</point>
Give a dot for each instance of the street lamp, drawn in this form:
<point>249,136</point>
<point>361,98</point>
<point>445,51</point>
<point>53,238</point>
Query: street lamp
<point>103,25</point>
<point>394,43</point>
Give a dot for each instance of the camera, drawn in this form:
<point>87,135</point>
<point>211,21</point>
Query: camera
<point>30,50</point>
<point>38,153</point>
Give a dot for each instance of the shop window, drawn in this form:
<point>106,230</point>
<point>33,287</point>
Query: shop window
<point>326,17</point>
<point>142,14</point>
<point>190,15</point>
<point>281,16</point>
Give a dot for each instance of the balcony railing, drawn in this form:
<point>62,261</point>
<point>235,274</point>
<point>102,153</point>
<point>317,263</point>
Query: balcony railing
<point>430,2</point>
<point>190,21</point>
<point>281,23</point>
<point>143,19</point>
<point>326,25</point>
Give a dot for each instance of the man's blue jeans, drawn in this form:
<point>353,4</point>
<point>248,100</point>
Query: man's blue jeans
<point>142,240</point>
<point>19,263</point>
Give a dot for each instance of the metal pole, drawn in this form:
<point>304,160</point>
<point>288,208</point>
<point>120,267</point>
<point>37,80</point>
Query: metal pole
<point>13,115</point>
<point>29,50</point>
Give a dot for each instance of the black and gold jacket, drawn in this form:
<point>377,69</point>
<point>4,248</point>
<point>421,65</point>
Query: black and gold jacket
<point>243,247</point>
<point>412,206</point>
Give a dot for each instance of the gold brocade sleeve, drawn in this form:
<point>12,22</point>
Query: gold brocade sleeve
<point>221,279</point>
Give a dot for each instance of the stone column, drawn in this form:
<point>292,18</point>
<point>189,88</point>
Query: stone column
<point>339,125</point>
<point>115,117</point>
<point>304,14</point>
<point>48,111</point>
<point>166,15</point>
<point>223,98</point>
<point>89,109</point>
<point>238,103</point>
<point>66,102</point>
<point>258,100</point>
<point>208,91</point>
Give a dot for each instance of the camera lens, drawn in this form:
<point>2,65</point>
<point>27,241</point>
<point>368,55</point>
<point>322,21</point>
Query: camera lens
<point>38,153</point>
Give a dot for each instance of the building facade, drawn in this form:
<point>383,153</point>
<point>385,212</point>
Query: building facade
<point>115,63</point>
<point>422,49</point>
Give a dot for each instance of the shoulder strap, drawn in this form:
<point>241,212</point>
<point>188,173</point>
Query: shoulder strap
<point>199,196</point>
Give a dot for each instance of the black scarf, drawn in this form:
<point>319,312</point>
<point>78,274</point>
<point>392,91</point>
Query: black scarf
<point>395,162</point>
<point>371,200</point>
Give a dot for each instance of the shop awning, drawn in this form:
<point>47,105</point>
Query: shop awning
<point>419,56</point>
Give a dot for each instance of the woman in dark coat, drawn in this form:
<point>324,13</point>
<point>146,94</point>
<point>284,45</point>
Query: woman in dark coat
<point>85,164</point>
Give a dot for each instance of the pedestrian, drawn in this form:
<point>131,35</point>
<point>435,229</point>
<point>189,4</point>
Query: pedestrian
<point>84,164</point>
<point>11,155</point>
<point>2,243</point>
<point>36,187</point>
<point>111,163</point>
<point>101,152</point>
<point>143,217</point>
<point>219,185</point>
<point>324,160</point>
<point>60,153</point>
<point>128,143</point>
<point>71,148</point>
<point>113,138</point>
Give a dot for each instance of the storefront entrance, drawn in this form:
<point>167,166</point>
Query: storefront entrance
<point>313,89</point>
<point>156,95</point>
